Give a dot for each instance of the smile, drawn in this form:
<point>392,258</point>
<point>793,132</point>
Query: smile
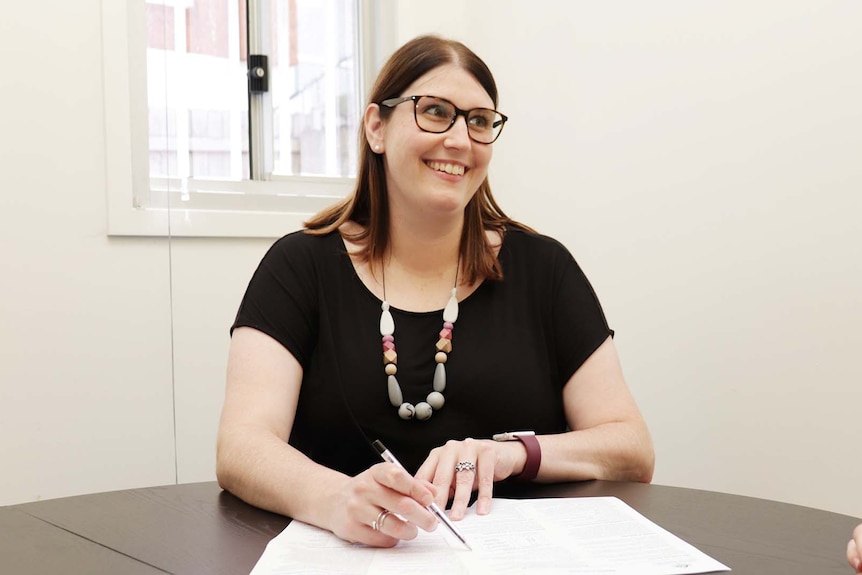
<point>454,169</point>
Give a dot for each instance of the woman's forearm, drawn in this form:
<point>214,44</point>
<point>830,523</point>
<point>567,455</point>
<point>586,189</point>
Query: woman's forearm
<point>616,451</point>
<point>264,471</point>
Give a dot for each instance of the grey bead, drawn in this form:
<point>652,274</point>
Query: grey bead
<point>435,399</point>
<point>423,411</point>
<point>406,411</point>
<point>395,396</point>
<point>440,377</point>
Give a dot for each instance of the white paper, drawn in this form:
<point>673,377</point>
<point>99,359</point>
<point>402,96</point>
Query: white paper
<point>582,535</point>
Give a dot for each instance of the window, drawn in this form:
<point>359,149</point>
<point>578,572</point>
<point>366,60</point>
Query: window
<point>193,152</point>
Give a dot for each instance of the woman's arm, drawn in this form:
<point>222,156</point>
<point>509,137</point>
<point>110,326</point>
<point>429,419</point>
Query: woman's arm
<point>255,462</point>
<point>608,440</point>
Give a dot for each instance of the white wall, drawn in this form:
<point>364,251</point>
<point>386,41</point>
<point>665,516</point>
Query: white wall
<point>700,160</point>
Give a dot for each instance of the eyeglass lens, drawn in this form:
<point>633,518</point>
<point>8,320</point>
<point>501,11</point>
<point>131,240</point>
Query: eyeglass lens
<point>437,115</point>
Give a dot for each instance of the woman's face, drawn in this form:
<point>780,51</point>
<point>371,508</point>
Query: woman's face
<point>433,174</point>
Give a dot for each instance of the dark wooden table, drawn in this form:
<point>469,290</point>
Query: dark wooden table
<point>199,529</point>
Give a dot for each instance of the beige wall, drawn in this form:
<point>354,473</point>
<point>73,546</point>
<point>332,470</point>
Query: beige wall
<point>701,160</point>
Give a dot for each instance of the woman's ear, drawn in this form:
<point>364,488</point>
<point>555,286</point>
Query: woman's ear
<point>374,128</point>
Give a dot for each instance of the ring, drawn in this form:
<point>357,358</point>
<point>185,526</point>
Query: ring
<point>465,466</point>
<point>377,524</point>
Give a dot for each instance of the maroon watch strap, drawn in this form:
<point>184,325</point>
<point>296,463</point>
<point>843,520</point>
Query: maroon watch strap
<point>534,458</point>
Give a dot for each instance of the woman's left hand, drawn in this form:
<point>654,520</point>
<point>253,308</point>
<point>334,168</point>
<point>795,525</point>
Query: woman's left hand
<point>460,467</point>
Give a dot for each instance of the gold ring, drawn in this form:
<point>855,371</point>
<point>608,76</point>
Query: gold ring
<point>377,524</point>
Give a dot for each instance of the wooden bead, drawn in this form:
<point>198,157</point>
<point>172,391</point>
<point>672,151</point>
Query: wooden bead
<point>444,345</point>
<point>389,356</point>
<point>391,369</point>
<point>441,357</point>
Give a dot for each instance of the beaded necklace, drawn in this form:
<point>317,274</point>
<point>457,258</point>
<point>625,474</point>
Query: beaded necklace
<point>434,400</point>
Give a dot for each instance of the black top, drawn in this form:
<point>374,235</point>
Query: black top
<point>514,346</point>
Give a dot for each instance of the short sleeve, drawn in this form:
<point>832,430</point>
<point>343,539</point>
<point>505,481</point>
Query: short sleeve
<point>580,324</point>
<point>282,297</point>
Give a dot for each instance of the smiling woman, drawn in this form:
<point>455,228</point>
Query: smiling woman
<point>314,372</point>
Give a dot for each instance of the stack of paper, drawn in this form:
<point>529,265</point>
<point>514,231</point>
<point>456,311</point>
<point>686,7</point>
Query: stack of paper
<point>586,535</point>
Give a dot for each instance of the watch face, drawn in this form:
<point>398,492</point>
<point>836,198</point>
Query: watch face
<point>510,435</point>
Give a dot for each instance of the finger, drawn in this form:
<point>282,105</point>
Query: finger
<point>395,477</point>
<point>406,496</point>
<point>390,525</point>
<point>465,478</point>
<point>398,479</point>
<point>485,468</point>
<point>853,556</point>
<point>426,470</point>
<point>443,478</point>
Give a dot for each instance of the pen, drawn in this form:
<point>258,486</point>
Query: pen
<point>433,508</point>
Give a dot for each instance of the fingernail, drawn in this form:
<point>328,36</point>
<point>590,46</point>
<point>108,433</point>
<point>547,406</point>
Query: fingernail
<point>483,506</point>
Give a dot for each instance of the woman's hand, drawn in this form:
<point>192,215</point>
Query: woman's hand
<point>381,506</point>
<point>460,467</point>
<point>854,549</point>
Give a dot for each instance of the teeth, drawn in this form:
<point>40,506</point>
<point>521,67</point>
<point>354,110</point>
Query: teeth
<point>453,169</point>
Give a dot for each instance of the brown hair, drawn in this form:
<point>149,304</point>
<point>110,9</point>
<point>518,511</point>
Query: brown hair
<point>368,205</point>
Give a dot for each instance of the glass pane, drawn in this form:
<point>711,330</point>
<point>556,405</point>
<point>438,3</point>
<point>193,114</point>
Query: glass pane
<point>315,87</point>
<point>196,89</point>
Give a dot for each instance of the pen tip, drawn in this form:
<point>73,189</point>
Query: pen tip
<point>378,445</point>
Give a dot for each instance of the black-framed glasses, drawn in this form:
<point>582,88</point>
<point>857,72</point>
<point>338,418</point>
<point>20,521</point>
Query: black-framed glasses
<point>437,115</point>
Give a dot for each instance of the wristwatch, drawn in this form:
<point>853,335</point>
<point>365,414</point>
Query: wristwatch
<point>534,453</point>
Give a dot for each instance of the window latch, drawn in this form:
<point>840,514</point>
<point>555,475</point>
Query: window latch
<point>258,73</point>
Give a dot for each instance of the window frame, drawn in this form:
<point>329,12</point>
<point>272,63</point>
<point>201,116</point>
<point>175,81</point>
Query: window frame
<point>220,208</point>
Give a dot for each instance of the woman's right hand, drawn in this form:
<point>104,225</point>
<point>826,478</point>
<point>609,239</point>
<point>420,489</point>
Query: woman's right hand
<point>383,487</point>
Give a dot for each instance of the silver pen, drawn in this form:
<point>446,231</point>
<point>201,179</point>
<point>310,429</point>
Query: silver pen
<point>433,508</point>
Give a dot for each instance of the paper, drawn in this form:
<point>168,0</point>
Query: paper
<point>583,535</point>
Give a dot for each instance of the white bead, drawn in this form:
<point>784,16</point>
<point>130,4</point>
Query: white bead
<point>440,377</point>
<point>450,314</point>
<point>391,369</point>
<point>406,411</point>
<point>387,322</point>
<point>435,399</point>
<point>395,397</point>
<point>423,411</point>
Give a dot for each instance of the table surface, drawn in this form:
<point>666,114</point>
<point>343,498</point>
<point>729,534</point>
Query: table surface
<point>198,528</point>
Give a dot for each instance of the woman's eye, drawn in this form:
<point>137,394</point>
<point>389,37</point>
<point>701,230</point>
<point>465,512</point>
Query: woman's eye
<point>436,110</point>
<point>480,121</point>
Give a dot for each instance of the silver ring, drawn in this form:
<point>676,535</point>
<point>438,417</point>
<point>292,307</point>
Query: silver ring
<point>377,524</point>
<point>465,466</point>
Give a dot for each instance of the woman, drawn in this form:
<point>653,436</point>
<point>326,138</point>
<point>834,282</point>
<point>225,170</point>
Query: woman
<point>314,373</point>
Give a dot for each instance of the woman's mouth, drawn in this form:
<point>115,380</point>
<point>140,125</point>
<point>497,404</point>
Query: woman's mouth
<point>453,169</point>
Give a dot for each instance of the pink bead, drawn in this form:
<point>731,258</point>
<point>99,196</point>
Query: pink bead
<point>387,345</point>
<point>388,338</point>
<point>448,325</point>
<point>446,333</point>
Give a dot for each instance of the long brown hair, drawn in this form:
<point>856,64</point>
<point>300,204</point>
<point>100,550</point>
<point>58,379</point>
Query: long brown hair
<point>368,204</point>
